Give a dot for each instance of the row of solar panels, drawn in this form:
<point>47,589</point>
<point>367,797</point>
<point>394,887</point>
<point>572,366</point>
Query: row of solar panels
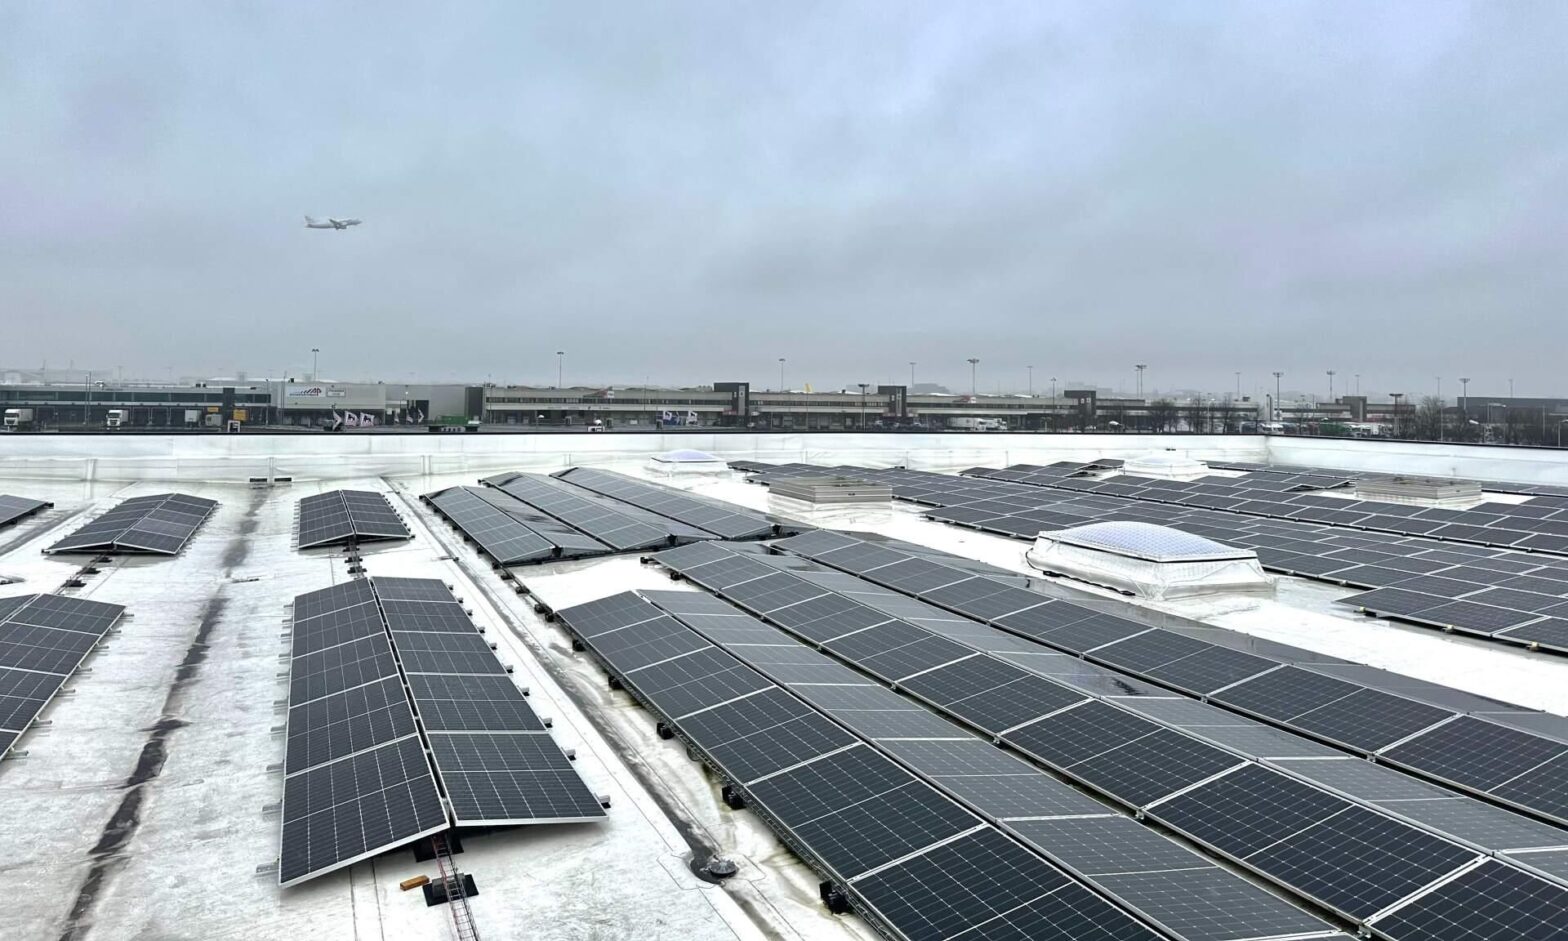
<point>43,640</point>
<point>1168,884</point>
<point>158,524</point>
<point>1301,470</point>
<point>1526,769</point>
<point>1510,596</point>
<point>15,509</point>
<point>916,863</point>
<point>348,516</point>
<point>519,518</point>
<point>1504,595</point>
<point>399,715</point>
<point>1351,857</point>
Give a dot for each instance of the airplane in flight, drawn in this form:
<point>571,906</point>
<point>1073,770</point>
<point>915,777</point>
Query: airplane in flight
<point>339,224</point>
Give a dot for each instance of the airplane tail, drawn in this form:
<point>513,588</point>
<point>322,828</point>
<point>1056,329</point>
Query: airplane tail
<point>309,221</point>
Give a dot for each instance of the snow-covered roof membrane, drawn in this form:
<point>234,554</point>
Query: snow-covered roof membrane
<point>146,801</point>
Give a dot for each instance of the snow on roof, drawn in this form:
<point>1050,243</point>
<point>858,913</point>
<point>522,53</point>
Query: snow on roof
<point>193,675</point>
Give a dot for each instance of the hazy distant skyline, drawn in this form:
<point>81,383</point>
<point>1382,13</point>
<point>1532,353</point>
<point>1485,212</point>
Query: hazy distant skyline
<point>686,192</point>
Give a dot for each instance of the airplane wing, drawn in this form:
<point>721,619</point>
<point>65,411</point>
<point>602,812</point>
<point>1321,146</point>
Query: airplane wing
<point>335,223</point>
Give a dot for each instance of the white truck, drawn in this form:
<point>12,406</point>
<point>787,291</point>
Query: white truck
<point>115,418</point>
<point>977,424</point>
<point>18,419</point>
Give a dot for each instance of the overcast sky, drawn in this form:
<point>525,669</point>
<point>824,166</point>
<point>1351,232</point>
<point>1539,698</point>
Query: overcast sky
<point>687,192</point>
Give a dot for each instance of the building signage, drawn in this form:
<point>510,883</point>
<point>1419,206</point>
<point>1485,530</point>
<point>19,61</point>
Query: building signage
<point>314,392</point>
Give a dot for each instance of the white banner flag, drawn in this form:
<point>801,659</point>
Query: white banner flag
<point>366,420</point>
<point>337,420</point>
<point>691,416</point>
<point>350,420</point>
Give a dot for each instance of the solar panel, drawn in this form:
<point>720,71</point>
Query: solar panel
<point>1490,901</point>
<point>14,509</point>
<point>1150,767</point>
<point>1080,733</point>
<point>509,531</point>
<point>159,524</point>
<point>43,639</point>
<point>984,885</point>
<point>1475,753</point>
<point>722,520</point>
<point>619,525</point>
<point>1360,862</point>
<point>337,814</point>
<point>340,516</point>
<point>516,777</point>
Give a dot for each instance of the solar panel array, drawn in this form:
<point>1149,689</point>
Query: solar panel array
<point>1360,866</point>
<point>1440,584</point>
<point>160,524</point>
<point>43,639</point>
<point>722,520</point>
<point>1374,722</point>
<point>1307,538</point>
<point>13,508</point>
<point>509,531</point>
<point>916,863</point>
<point>341,516</point>
<point>357,777</point>
<point>619,525</point>
<point>496,760</point>
<point>1175,888</point>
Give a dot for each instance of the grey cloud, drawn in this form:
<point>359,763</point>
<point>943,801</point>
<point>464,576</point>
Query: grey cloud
<point>688,191</point>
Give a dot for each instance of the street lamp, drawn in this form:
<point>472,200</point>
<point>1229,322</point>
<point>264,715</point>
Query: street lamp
<point>560,367</point>
<point>1464,396</point>
<point>1331,387</point>
<point>781,375</point>
<point>911,377</point>
<point>1238,385</point>
<point>1277,405</point>
<point>1140,367</point>
<point>863,387</point>
<point>973,362</point>
<point>314,355</point>
<point>1031,380</point>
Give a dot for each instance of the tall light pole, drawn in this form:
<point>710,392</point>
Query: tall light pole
<point>560,367</point>
<point>1358,383</point>
<point>1031,380</point>
<point>1238,385</point>
<point>1140,367</point>
<point>863,387</point>
<point>973,362</point>
<point>911,377</point>
<point>1331,387</point>
<point>1464,397</point>
<point>1053,388</point>
<point>1277,374</point>
<point>315,353</point>
<point>781,375</point>
<point>1396,396</point>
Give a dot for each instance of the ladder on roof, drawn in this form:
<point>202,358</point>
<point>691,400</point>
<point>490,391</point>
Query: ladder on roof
<point>456,898</point>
